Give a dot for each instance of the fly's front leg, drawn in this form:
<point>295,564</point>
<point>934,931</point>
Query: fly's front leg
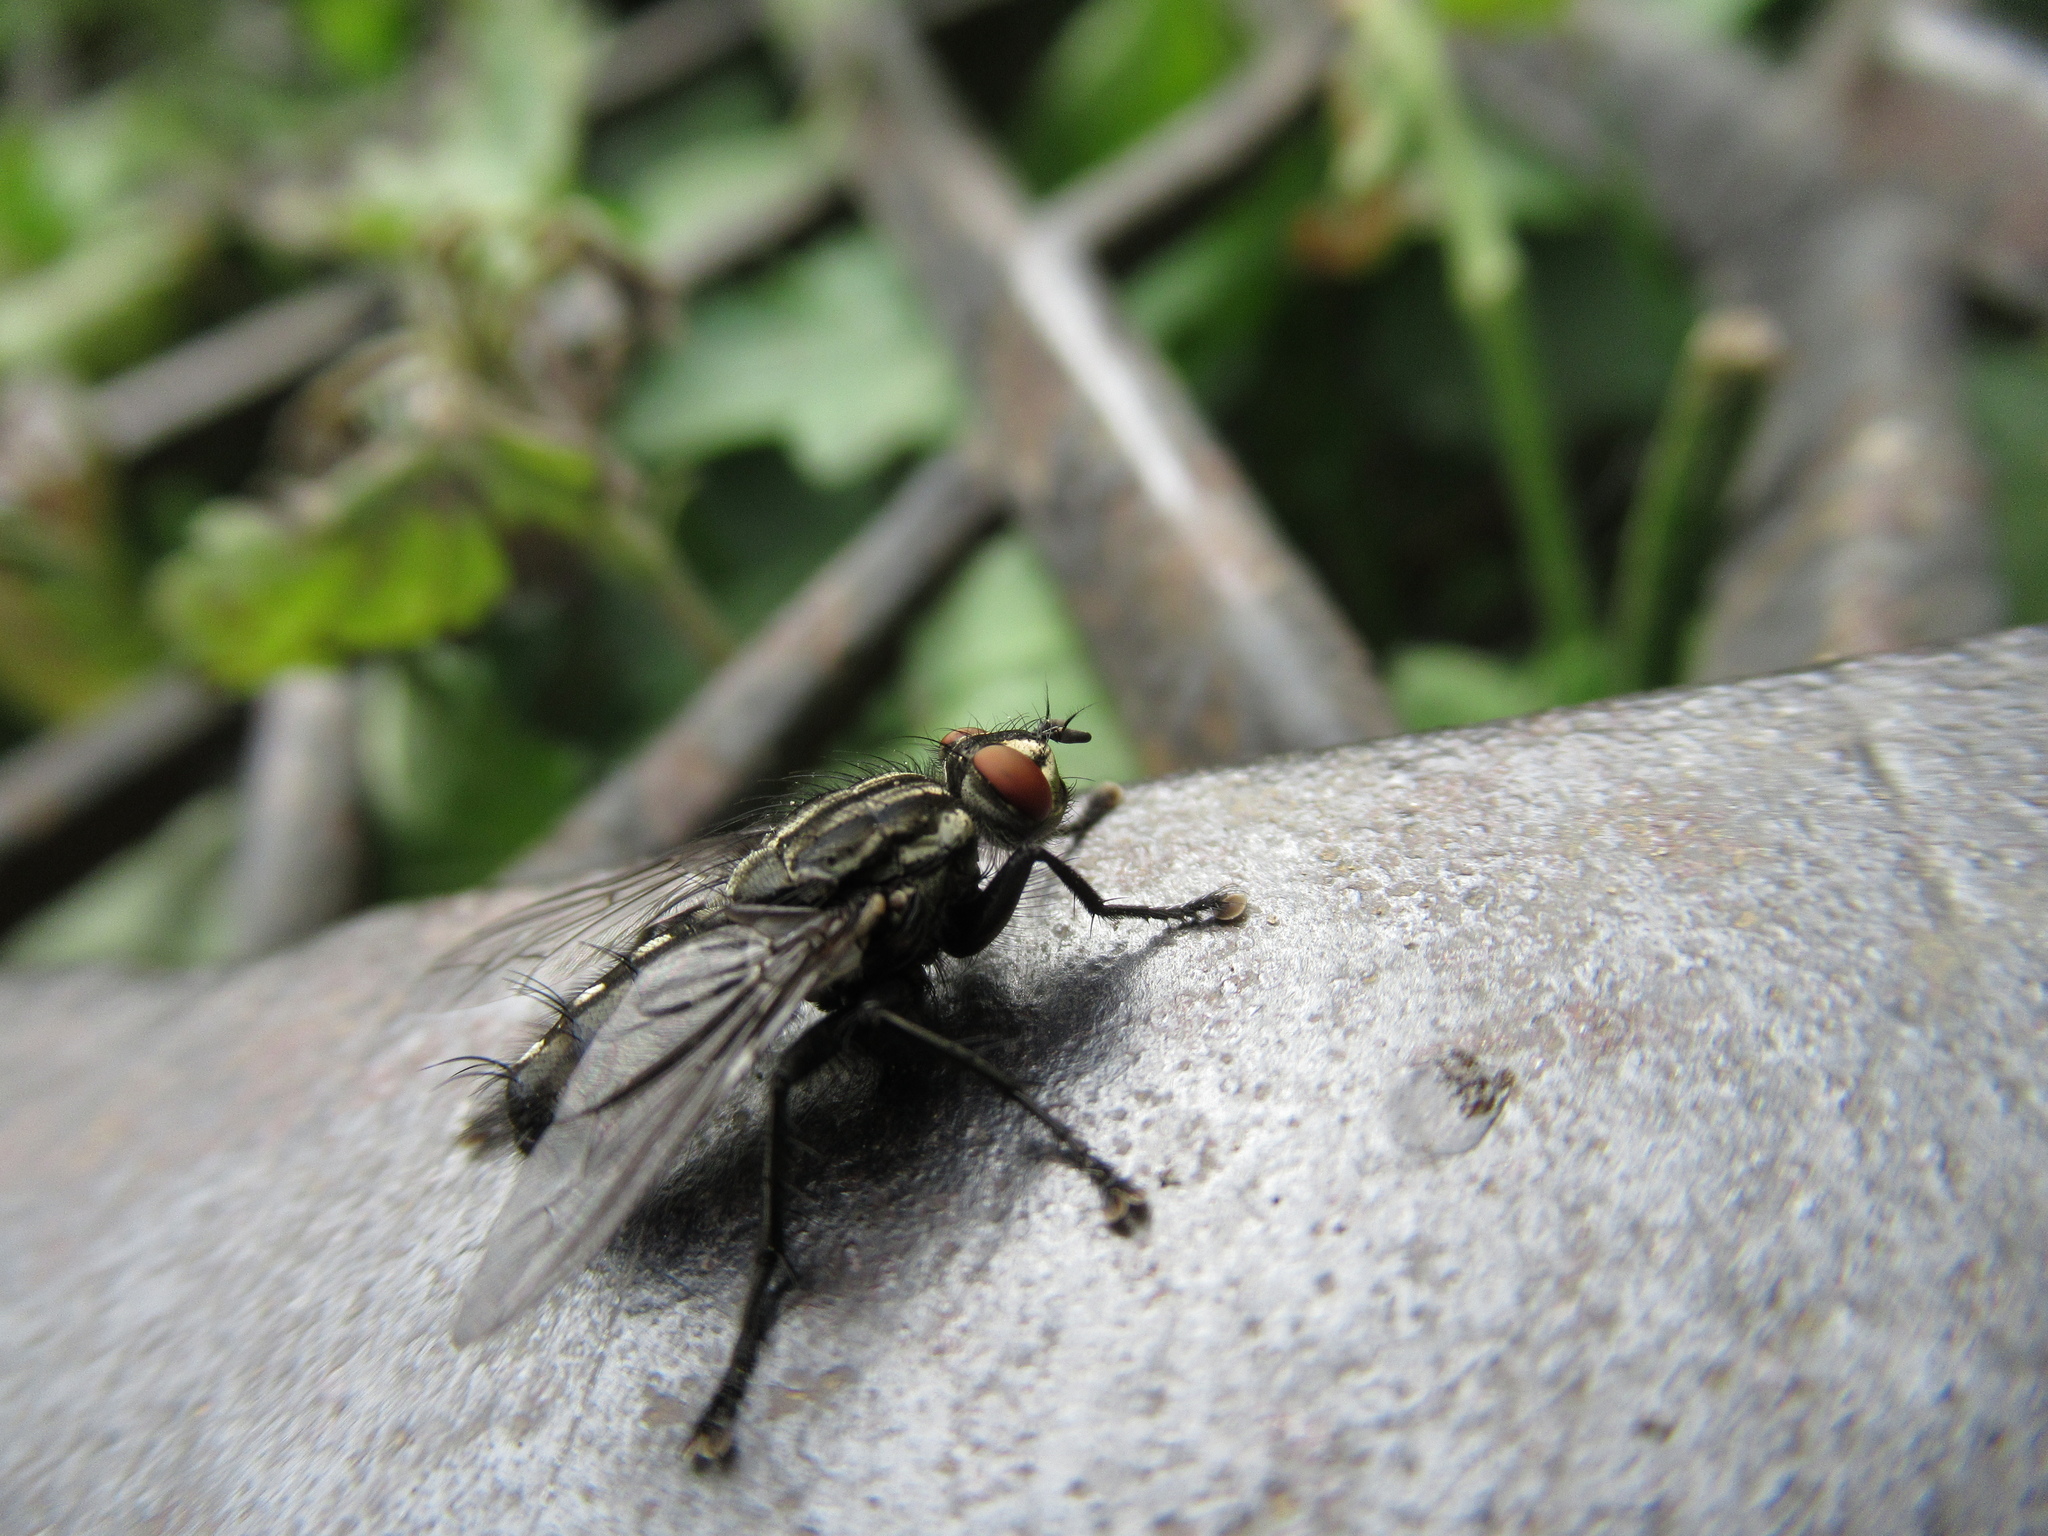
<point>978,922</point>
<point>1226,906</point>
<point>1093,806</point>
<point>712,1444</point>
<point>1123,1203</point>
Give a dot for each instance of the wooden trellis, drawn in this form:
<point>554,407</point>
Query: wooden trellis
<point>1865,522</point>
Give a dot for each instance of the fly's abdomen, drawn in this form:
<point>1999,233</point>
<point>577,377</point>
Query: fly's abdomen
<point>535,1079</point>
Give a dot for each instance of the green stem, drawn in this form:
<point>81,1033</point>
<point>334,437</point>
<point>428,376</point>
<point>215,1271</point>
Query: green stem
<point>1485,263</point>
<point>1729,360</point>
<point>1553,561</point>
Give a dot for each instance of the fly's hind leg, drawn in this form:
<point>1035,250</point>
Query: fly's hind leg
<point>712,1443</point>
<point>1123,1203</point>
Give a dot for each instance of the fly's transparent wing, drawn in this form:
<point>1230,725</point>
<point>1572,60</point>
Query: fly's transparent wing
<point>551,940</point>
<point>695,1022</point>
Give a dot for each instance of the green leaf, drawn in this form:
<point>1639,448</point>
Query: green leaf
<point>71,629</point>
<point>505,141</point>
<point>420,575</point>
<point>100,159</point>
<point>526,475</point>
<point>728,103</point>
<point>246,598</point>
<point>359,39</point>
<point>67,644</point>
<point>455,783</point>
<point>162,902</point>
<point>34,226</point>
<point>1499,13</point>
<point>1442,685</point>
<point>2008,399</point>
<point>1434,686</point>
<point>682,200</point>
<point>1118,68</point>
<point>250,596</point>
<point>106,301</point>
<point>829,355</point>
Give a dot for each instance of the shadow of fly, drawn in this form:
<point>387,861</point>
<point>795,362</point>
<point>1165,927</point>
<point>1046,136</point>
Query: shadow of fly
<point>843,904</point>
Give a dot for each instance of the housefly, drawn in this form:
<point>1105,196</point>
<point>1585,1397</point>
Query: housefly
<point>843,905</point>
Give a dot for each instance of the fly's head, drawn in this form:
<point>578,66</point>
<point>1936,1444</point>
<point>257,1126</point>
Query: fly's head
<point>1008,780</point>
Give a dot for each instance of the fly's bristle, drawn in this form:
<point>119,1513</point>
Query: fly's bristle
<point>626,957</point>
<point>488,1068</point>
<point>528,985</point>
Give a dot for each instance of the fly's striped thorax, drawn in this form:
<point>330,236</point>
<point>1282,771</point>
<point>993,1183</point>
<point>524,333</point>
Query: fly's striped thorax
<point>899,827</point>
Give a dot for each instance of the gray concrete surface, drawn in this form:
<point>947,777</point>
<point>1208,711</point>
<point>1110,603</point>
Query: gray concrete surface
<point>1754,1241</point>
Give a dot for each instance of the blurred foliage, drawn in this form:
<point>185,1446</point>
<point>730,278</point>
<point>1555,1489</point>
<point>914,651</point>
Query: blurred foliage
<point>997,644</point>
<point>477,419</point>
<point>1117,68</point>
<point>452,776</point>
<point>71,634</point>
<point>535,512</point>
<point>2008,398</point>
<point>828,355</point>
<point>359,40</point>
<point>1410,159</point>
<point>162,902</point>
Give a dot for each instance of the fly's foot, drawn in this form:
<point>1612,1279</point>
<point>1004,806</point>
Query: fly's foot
<point>712,1445</point>
<point>1123,1206</point>
<point>1217,906</point>
<point>1227,906</point>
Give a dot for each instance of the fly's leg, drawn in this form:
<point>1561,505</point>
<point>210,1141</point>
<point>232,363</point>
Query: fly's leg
<point>1123,1203</point>
<point>712,1444</point>
<point>977,922</point>
<point>1228,906</point>
<point>1095,805</point>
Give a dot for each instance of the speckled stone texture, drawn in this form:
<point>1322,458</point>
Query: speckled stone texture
<point>1633,1118</point>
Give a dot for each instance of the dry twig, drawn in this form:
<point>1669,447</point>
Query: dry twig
<point>1217,642</point>
<point>63,772</point>
<point>298,855</point>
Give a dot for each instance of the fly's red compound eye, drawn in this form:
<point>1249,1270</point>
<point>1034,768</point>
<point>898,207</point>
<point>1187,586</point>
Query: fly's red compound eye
<point>954,738</point>
<point>1020,781</point>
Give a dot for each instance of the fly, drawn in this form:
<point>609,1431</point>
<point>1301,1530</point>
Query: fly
<point>844,904</point>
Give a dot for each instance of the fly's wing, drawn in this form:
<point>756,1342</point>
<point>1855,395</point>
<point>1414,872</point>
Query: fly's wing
<point>550,939</point>
<point>695,1022</point>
